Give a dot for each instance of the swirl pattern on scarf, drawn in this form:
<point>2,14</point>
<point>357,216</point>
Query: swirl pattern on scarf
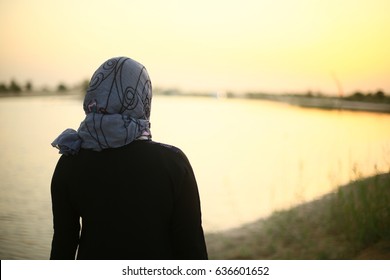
<point>117,107</point>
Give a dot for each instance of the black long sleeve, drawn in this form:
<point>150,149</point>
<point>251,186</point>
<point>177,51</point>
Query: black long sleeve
<point>187,228</point>
<point>65,217</point>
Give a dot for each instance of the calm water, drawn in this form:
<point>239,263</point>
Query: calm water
<point>250,158</point>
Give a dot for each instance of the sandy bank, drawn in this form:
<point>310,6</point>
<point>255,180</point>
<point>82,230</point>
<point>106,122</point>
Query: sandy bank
<point>352,223</point>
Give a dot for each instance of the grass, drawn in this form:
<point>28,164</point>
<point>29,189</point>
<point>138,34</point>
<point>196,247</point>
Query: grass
<point>351,223</point>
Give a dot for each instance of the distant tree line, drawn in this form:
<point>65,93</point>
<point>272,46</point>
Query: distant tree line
<point>356,96</point>
<point>378,96</point>
<point>14,87</point>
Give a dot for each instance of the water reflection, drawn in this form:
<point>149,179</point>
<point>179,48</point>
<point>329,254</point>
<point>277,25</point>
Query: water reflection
<point>250,158</point>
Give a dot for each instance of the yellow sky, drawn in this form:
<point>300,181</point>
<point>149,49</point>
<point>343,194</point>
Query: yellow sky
<point>263,45</point>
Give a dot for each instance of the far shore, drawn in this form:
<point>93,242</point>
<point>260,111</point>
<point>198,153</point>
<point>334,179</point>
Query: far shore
<point>41,93</point>
<point>329,103</point>
<point>367,104</point>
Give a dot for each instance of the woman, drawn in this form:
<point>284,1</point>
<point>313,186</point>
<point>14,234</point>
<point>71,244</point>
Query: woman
<point>137,199</point>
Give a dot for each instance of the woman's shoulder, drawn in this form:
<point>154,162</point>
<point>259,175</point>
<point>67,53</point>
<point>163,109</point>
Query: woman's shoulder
<point>167,150</point>
<point>165,147</point>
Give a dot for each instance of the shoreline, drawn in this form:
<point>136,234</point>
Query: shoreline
<point>349,223</point>
<point>328,103</point>
<point>325,103</point>
<point>41,94</point>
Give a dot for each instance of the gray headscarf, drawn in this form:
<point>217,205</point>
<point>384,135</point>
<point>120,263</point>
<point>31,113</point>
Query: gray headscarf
<point>117,107</point>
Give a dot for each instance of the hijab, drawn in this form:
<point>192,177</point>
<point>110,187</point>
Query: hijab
<point>117,107</point>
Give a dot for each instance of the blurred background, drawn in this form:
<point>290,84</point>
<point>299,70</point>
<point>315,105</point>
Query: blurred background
<point>227,76</point>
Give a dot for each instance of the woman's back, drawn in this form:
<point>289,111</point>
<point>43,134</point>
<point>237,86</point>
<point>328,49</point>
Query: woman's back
<point>136,202</point>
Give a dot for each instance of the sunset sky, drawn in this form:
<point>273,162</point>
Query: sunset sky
<point>273,46</point>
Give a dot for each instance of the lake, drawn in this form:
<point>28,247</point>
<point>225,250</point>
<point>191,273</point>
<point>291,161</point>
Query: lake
<point>250,158</point>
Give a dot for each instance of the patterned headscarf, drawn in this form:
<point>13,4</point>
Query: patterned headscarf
<point>117,107</point>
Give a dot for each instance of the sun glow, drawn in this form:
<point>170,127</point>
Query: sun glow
<point>273,46</point>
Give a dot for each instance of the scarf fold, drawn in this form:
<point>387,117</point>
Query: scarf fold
<point>117,107</point>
